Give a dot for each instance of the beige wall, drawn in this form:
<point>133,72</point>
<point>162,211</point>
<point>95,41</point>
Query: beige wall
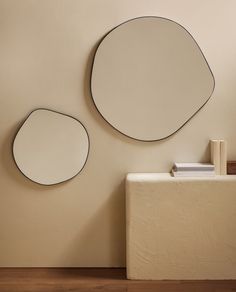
<point>46,50</point>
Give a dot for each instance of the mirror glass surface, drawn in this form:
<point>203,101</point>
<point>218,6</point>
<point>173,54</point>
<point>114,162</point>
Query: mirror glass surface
<point>149,77</point>
<point>50,147</point>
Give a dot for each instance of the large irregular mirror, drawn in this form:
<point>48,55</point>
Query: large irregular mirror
<point>149,77</point>
<point>50,147</point>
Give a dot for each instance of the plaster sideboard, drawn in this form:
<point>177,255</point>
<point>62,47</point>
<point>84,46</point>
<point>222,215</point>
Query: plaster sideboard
<point>180,228</point>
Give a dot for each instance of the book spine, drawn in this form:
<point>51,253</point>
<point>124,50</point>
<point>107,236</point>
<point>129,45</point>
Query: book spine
<point>215,155</point>
<point>223,157</point>
<point>212,168</point>
<point>193,173</point>
<point>231,167</point>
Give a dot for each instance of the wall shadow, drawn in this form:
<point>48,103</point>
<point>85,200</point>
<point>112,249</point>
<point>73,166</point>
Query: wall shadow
<point>104,233</point>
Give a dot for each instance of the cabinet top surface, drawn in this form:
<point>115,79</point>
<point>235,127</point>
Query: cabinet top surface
<point>150,177</point>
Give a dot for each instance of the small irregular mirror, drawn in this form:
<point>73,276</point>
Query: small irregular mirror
<point>50,147</point>
<point>149,77</point>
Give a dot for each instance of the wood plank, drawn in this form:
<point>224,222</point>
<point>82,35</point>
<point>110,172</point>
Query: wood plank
<point>97,279</point>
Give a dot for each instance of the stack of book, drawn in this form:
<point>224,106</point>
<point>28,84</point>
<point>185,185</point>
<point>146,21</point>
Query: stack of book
<point>193,169</point>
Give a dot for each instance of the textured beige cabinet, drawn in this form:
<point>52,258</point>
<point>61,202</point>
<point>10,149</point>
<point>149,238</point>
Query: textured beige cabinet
<point>180,228</point>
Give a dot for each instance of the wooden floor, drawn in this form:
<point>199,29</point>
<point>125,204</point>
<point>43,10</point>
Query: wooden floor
<point>97,280</point>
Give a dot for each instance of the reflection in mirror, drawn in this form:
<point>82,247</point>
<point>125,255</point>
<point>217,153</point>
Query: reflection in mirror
<point>149,77</point>
<point>50,147</point>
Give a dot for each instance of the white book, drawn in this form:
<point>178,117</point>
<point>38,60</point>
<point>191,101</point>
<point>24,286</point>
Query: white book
<point>193,173</point>
<point>193,167</point>
<point>223,157</point>
<point>215,154</point>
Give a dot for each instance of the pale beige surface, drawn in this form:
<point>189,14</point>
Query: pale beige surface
<point>50,147</point>
<point>180,228</point>
<point>45,56</point>
<point>149,78</point>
